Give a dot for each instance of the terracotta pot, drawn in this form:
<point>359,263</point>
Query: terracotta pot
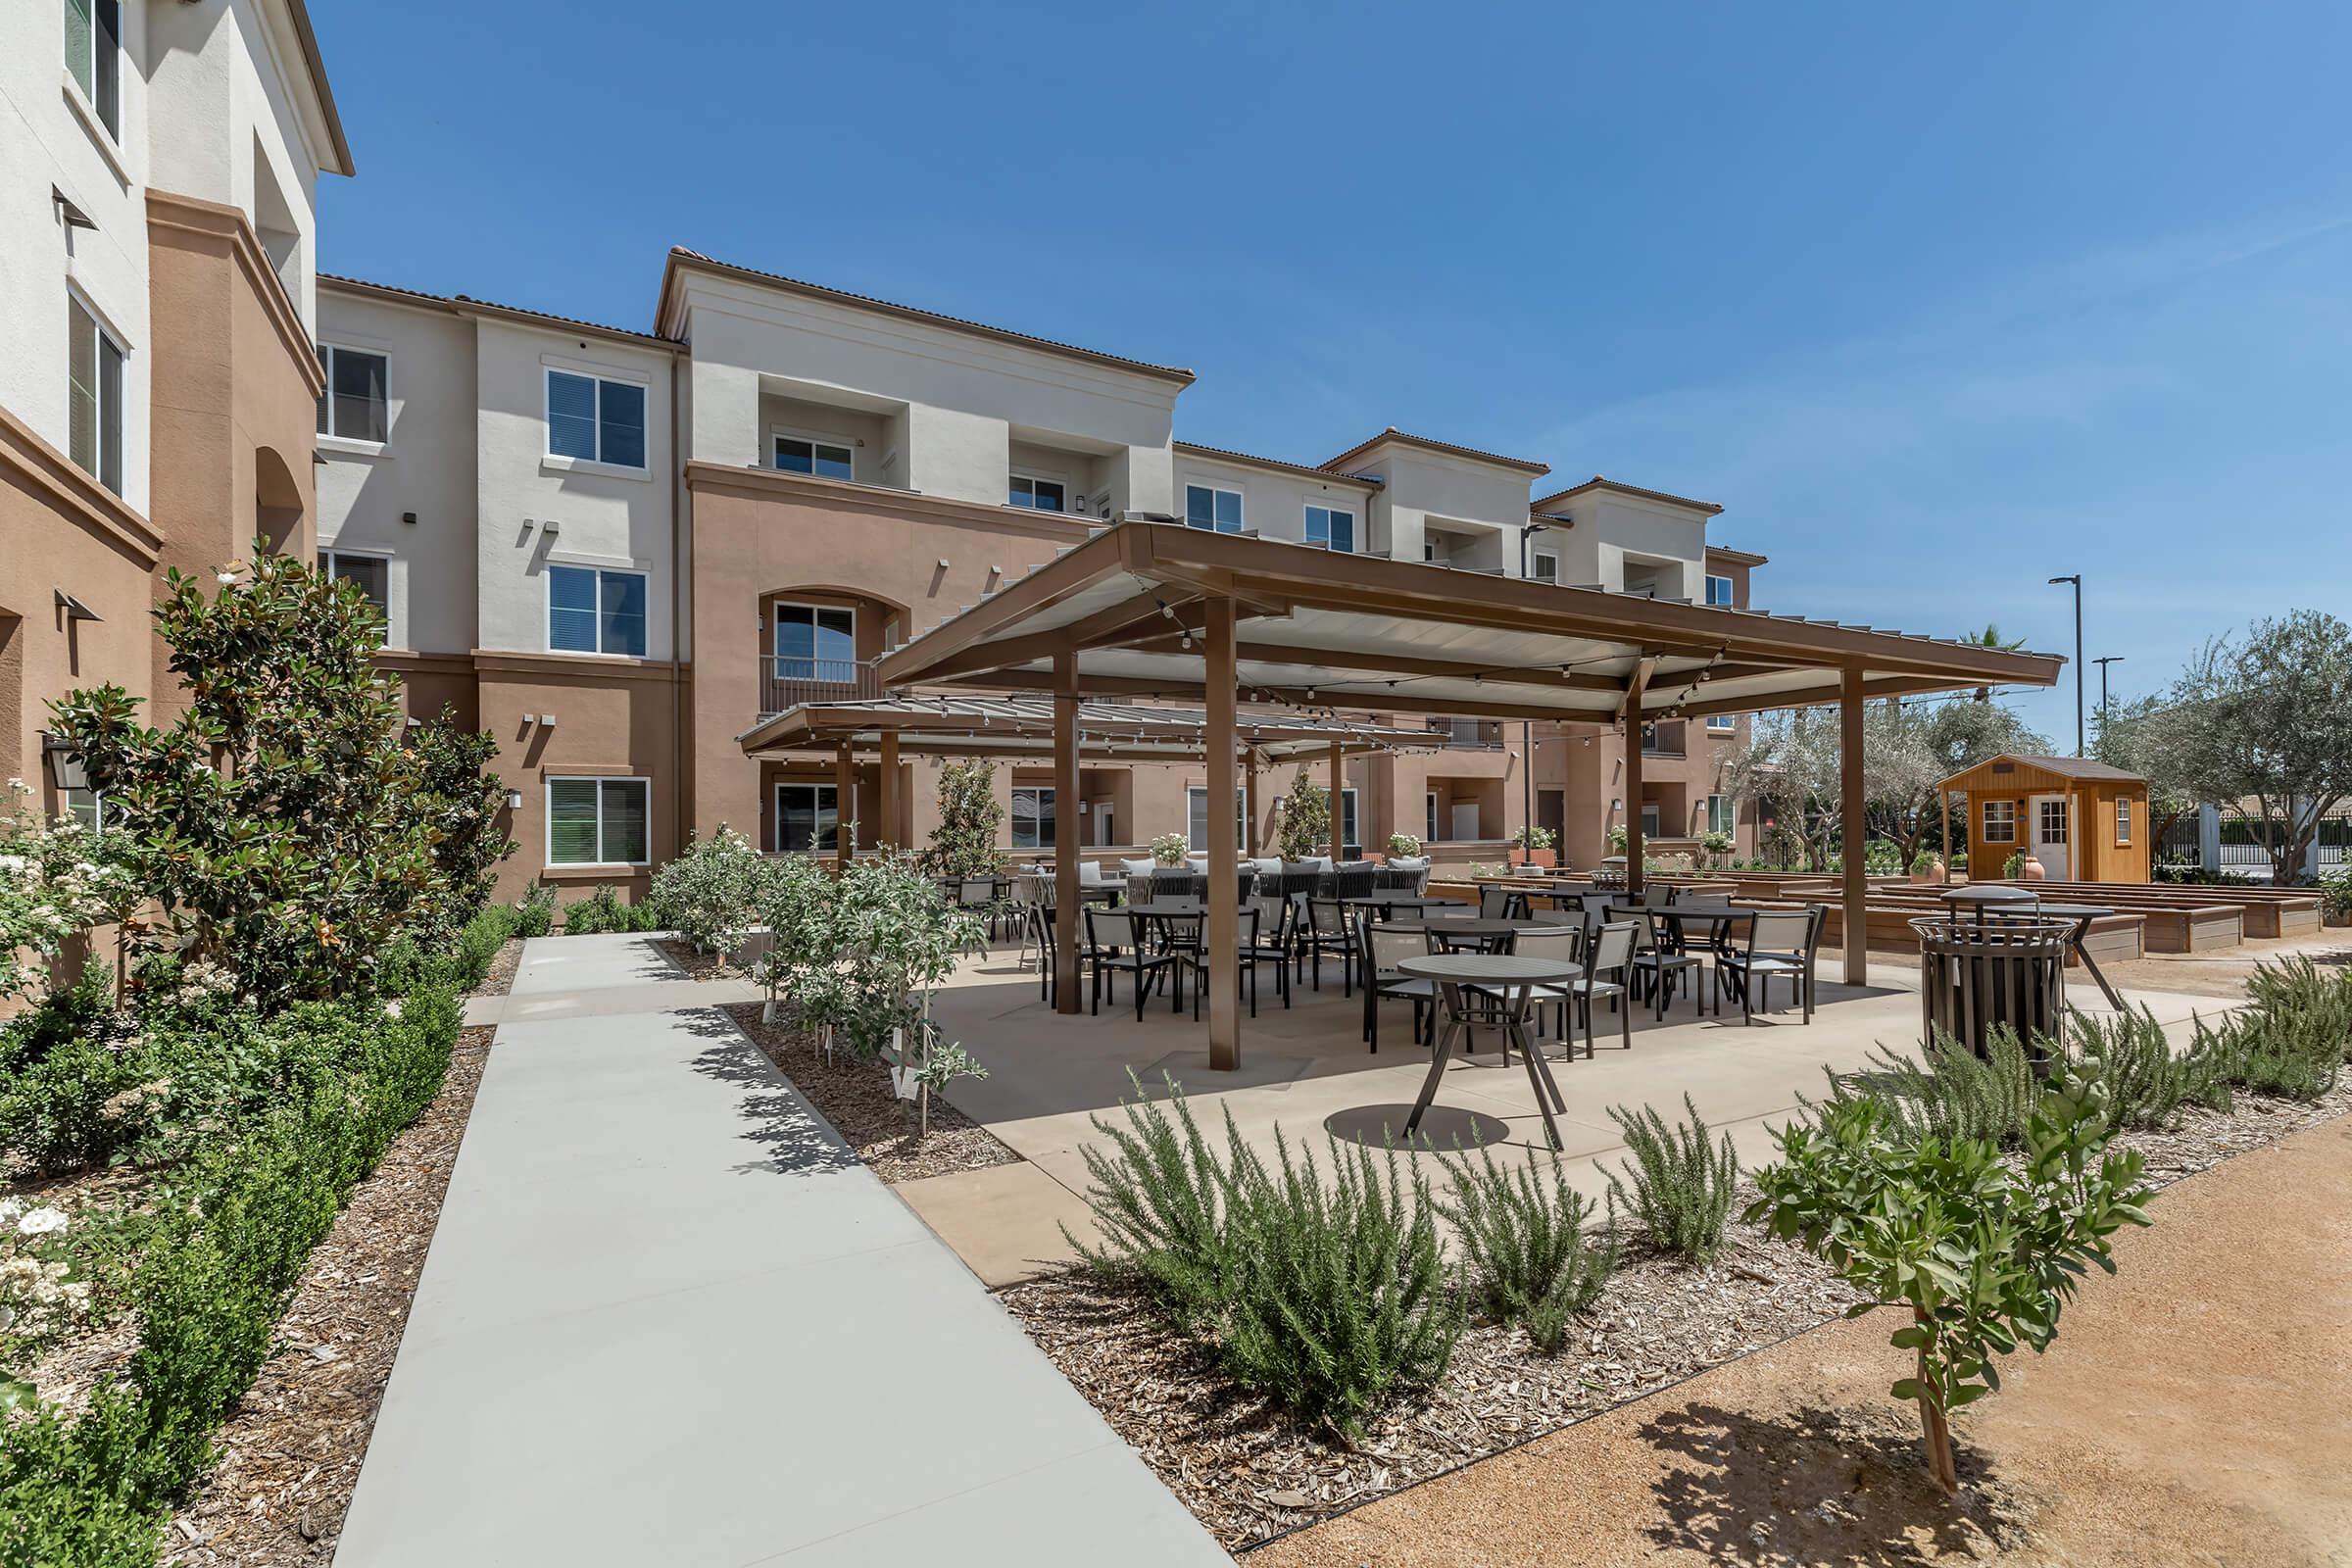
<point>1547,857</point>
<point>2032,871</point>
<point>1934,873</point>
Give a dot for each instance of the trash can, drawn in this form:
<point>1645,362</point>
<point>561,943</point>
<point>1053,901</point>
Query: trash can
<point>1991,960</point>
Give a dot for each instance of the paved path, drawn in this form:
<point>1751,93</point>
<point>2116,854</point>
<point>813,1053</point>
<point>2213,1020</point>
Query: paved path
<point>668,1319</point>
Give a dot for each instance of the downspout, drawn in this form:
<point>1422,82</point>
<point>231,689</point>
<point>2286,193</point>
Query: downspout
<point>678,692</point>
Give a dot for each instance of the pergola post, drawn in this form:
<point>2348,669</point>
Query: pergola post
<point>1224,853</point>
<point>1065,832</point>
<point>845,809</point>
<point>1250,803</point>
<point>1338,781</point>
<point>890,807</point>
<point>1632,795</point>
<point>1944,799</point>
<point>1855,940</point>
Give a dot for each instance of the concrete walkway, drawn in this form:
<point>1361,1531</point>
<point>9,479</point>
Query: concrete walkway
<point>666,1318</point>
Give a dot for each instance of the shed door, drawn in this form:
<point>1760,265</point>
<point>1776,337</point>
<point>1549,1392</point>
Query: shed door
<point>2053,839</point>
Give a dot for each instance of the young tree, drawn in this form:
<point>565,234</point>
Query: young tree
<point>2268,720</point>
<point>964,844</point>
<point>1306,820</point>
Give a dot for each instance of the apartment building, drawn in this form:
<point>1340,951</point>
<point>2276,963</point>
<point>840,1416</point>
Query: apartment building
<point>621,549</point>
<point>159,162</point>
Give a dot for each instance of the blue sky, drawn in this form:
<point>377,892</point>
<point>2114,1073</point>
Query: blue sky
<point>1938,302</point>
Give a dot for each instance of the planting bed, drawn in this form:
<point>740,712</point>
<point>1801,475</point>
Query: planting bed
<point>699,966</point>
<point>856,1097</point>
<point>1249,1473</point>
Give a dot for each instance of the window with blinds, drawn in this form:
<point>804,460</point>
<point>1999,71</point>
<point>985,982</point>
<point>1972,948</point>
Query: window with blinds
<point>596,419</point>
<point>356,404</point>
<point>94,57</point>
<point>94,398</point>
<point>598,822</point>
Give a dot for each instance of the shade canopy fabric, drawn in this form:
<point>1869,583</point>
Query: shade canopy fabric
<point>1322,630</point>
<point>967,725</point>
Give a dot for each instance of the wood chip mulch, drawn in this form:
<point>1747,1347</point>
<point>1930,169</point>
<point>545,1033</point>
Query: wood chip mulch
<point>289,1454</point>
<point>1249,1473</point>
<point>501,978</point>
<point>699,966</point>
<point>856,1098</point>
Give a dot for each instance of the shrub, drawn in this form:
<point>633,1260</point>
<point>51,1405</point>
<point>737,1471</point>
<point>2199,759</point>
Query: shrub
<point>1403,846</point>
<point>1681,1188</point>
<point>601,910</point>
<point>2014,865</point>
<point>2146,1081</point>
<point>1332,1297</point>
<point>2292,1038</point>
<point>1951,1092</point>
<point>1524,1239</point>
<point>2335,895</point>
<point>535,915</point>
<point>57,880</point>
<point>479,946</point>
<point>708,894</point>
<point>1984,1257</point>
<point>1306,820</point>
<point>1170,849</point>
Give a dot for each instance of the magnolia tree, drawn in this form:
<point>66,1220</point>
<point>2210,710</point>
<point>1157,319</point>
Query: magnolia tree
<point>1980,1256</point>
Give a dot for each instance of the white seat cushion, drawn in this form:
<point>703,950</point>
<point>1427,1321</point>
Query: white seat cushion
<point>1138,868</point>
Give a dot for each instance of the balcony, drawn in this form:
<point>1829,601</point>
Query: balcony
<point>1663,740</point>
<point>787,682</point>
<point>1467,734</point>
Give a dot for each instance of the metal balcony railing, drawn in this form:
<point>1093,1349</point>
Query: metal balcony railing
<point>1468,734</point>
<point>787,681</point>
<point>1663,740</point>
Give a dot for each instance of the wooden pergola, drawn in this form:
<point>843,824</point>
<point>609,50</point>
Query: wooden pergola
<point>971,725</point>
<point>1162,612</point>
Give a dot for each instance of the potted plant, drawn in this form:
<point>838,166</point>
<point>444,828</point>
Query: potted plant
<point>1616,839</point>
<point>1535,846</point>
<point>1718,844</point>
<point>1403,846</point>
<point>1170,849</point>
<point>1925,867</point>
<point>2335,897</point>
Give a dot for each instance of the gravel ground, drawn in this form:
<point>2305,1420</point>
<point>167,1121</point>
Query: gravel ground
<point>1248,1472</point>
<point>856,1098</point>
<point>290,1452</point>
<point>2191,1412</point>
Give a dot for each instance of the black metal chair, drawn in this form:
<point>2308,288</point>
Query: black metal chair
<point>1191,961</point>
<point>1382,947</point>
<point>1608,952</point>
<point>1660,966</point>
<point>1780,942</point>
<point>1565,943</point>
<point>1328,930</point>
<point>1276,918</point>
<point>1114,946</point>
<point>1041,926</point>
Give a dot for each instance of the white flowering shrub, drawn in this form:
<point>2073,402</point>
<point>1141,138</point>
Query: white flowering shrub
<point>710,894</point>
<point>57,879</point>
<point>39,1300</point>
<point>1170,849</point>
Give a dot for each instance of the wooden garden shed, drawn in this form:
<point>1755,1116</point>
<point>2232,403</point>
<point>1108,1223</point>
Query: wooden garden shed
<point>2084,822</point>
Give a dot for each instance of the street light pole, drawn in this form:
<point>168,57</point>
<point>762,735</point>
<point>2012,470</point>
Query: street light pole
<point>2077,580</point>
<point>2104,715</point>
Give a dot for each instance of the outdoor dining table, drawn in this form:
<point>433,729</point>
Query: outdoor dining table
<point>1714,916</point>
<point>1388,903</point>
<point>1512,981</point>
<point>1475,931</point>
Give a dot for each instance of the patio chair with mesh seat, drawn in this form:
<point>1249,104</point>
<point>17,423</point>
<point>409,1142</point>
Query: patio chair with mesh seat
<point>1609,951</point>
<point>1276,918</point>
<point>1780,942</point>
<point>1499,903</point>
<point>1383,946</point>
<point>1191,961</point>
<point>1564,944</point>
<point>1659,965</point>
<point>1115,946</point>
<point>1327,930</point>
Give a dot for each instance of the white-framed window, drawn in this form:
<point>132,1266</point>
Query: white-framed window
<point>85,806</point>
<point>94,392</point>
<point>595,420</point>
<point>356,404</point>
<point>1033,817</point>
<point>1720,817</point>
<point>1196,814</point>
<point>1348,818</point>
<point>1722,723</point>
<point>2053,821</point>
<point>599,821</point>
<point>593,611</point>
<point>826,460</point>
<point>2122,821</point>
<point>808,817</point>
<point>1543,567</point>
<point>1720,590</point>
<point>817,642</point>
<point>1039,494</point>
<point>2000,822</point>
<point>1649,820</point>
<point>1332,527</point>
<point>94,57</point>
<point>1211,506</point>
<point>372,573</point>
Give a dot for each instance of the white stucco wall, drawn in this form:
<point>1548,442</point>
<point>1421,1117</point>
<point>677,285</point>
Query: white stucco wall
<point>605,518</point>
<point>1610,527</point>
<point>1487,501</point>
<point>50,139</point>
<point>1273,503</point>
<point>959,396</point>
<point>425,467</point>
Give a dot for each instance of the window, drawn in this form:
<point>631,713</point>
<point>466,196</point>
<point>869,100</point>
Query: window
<point>1331,528</point>
<point>1544,566</point>
<point>1206,507</point>
<point>353,407</point>
<point>595,420</point>
<point>593,611</point>
<point>94,368</point>
<point>86,807</point>
<point>2000,822</point>
<point>1196,811</point>
<point>1348,818</point>
<point>2053,822</point>
<point>598,822</point>
<point>2122,821</point>
<point>371,573</point>
<point>1042,495</point>
<point>817,642</point>
<point>1720,819</point>
<point>1032,818</point>
<point>1719,591</point>
<point>1429,829</point>
<point>827,460</point>
<point>94,57</point>
<point>1722,723</point>
<point>808,817</point>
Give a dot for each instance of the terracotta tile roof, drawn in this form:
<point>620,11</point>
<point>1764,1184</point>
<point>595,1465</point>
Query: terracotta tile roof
<point>1302,469</point>
<point>1598,482</point>
<point>466,302</point>
<point>1431,444</point>
<point>682,255</point>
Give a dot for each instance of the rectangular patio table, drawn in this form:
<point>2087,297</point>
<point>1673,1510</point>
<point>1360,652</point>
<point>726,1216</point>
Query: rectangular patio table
<point>1513,982</point>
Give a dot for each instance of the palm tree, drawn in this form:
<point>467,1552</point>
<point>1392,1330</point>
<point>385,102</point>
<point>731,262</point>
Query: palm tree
<point>1990,637</point>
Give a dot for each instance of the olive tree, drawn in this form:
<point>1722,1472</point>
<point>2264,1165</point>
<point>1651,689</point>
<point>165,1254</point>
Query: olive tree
<point>899,941</point>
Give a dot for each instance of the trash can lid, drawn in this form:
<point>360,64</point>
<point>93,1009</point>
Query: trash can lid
<point>1975,895</point>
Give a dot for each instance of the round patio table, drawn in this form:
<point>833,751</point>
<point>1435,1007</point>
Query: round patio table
<point>1511,979</point>
<point>1388,903</point>
<point>1483,933</point>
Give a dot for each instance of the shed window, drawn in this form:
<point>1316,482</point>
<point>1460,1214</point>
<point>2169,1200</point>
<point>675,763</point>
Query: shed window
<point>2122,821</point>
<point>2000,822</point>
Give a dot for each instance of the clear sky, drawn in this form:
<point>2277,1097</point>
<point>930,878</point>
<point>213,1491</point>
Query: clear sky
<point>1937,301</point>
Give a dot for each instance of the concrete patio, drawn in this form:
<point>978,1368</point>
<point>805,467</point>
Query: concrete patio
<point>1051,1074</point>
